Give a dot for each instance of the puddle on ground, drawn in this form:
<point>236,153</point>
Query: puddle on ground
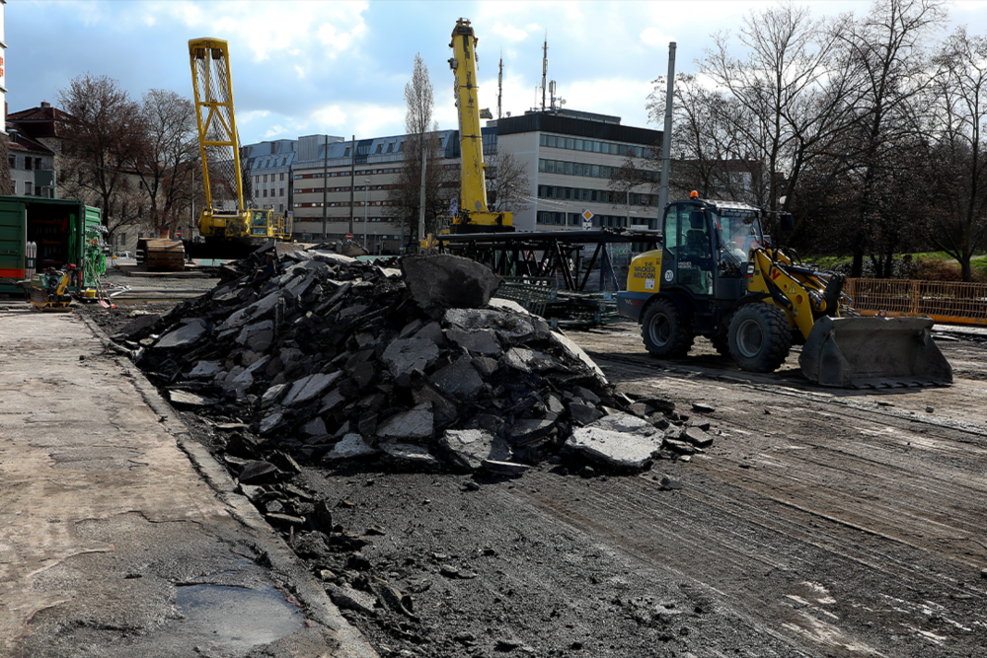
<point>236,617</point>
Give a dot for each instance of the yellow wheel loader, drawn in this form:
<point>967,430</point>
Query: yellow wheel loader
<point>717,276</point>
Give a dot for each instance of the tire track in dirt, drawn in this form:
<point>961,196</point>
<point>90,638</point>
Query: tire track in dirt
<point>849,530</point>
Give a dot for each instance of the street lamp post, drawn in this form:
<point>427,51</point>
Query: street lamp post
<point>366,199</point>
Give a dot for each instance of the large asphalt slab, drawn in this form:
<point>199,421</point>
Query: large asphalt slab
<point>119,536</point>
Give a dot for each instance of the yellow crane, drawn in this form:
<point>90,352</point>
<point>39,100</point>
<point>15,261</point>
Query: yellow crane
<point>472,215</point>
<point>219,146</point>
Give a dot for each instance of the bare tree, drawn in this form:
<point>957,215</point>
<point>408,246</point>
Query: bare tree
<point>509,183</point>
<point>960,172</point>
<point>169,157</point>
<point>771,94</point>
<point>405,198</point>
<point>888,53</point>
<point>103,131</point>
<point>706,153</point>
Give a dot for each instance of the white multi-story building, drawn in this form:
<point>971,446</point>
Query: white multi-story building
<point>268,167</point>
<point>570,158</point>
<point>342,188</point>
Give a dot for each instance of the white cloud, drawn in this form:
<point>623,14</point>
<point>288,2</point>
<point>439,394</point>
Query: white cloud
<point>331,115</point>
<point>275,130</point>
<point>268,29</point>
<point>339,40</point>
<point>360,119</point>
<point>509,32</point>
<point>252,115</point>
<point>378,120</point>
<point>624,97</point>
<point>655,36</point>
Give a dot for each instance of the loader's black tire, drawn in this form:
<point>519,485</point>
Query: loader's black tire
<point>667,332</point>
<point>721,337</point>
<point>760,337</point>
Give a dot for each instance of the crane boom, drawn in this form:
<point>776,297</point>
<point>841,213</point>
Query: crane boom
<point>473,209</point>
<point>219,142</point>
<point>219,147</point>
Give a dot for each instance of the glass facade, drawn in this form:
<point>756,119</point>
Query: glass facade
<point>591,145</point>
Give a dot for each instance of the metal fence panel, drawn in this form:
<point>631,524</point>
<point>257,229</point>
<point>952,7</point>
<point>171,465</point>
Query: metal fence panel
<point>944,301</point>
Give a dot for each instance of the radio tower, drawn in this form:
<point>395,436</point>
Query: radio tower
<point>500,83</point>
<point>544,71</point>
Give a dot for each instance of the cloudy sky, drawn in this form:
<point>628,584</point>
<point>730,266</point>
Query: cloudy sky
<point>338,67</point>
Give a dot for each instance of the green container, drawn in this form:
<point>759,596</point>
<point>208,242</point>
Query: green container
<point>60,228</point>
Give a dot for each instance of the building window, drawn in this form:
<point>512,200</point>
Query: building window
<point>282,176</point>
<point>28,187</point>
<point>548,217</point>
<point>27,163</point>
<point>281,193</point>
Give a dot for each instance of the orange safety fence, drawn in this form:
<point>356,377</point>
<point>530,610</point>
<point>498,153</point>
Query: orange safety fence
<point>944,301</point>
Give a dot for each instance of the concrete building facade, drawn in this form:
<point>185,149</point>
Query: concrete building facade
<point>268,168</point>
<point>32,165</point>
<point>33,150</point>
<point>570,157</point>
<point>343,187</point>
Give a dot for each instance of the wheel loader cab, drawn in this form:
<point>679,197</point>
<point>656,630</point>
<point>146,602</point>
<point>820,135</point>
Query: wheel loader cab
<point>688,249</point>
<point>706,248</point>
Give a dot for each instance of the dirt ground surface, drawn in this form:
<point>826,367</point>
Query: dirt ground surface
<point>821,522</point>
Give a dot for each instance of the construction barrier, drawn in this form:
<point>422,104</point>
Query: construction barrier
<point>944,301</point>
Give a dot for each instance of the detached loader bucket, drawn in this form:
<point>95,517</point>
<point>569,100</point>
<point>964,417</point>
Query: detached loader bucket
<point>874,352</point>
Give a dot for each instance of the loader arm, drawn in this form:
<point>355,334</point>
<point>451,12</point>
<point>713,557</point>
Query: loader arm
<point>796,290</point>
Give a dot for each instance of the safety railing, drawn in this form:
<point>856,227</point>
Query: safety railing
<point>944,301</point>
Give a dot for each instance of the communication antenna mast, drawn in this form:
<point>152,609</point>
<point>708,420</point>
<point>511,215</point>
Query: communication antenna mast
<point>500,83</point>
<point>544,70</point>
<point>556,102</point>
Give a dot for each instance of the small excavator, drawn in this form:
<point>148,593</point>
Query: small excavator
<point>718,276</point>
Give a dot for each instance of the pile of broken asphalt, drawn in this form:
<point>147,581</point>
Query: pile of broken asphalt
<point>320,359</point>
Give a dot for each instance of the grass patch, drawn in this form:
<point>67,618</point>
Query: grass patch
<point>827,262</point>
